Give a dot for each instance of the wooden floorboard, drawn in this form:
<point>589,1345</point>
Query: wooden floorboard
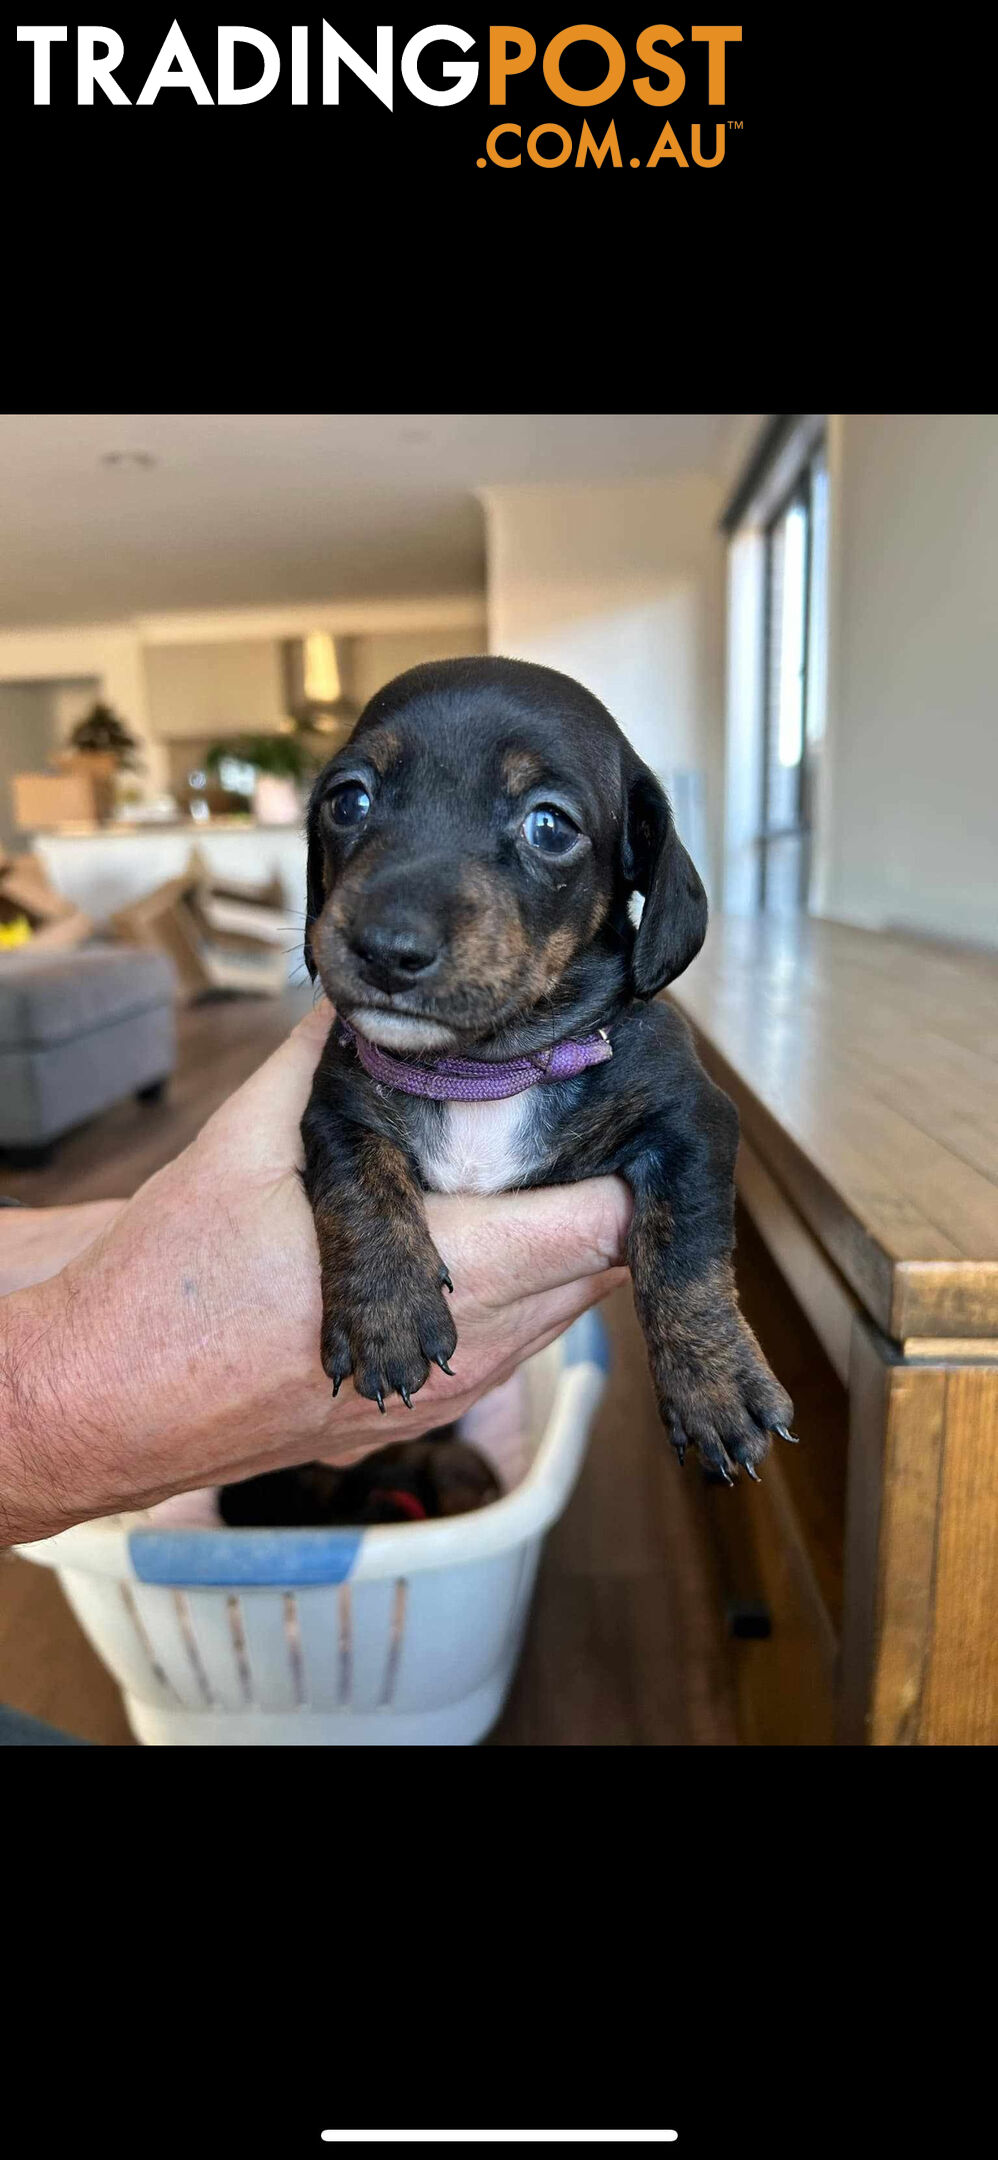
<point>626,1644</point>
<point>219,1043</point>
<point>47,1666</point>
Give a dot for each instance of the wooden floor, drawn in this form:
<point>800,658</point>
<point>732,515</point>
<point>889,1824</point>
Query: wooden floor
<point>628,1642</point>
<point>221,1041</point>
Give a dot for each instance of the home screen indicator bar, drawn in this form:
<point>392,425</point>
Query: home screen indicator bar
<point>499,2137</point>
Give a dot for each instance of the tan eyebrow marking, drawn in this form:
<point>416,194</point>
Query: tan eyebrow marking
<point>383,749</point>
<point>520,768</point>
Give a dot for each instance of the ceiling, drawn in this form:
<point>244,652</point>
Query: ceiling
<point>251,509</point>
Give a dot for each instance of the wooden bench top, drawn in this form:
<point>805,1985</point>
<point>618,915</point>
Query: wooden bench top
<point>865,1070</point>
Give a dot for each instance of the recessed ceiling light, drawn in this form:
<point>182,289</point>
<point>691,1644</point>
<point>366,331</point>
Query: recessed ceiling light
<point>142,458</point>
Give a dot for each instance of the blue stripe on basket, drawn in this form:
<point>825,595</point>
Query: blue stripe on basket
<point>274,1558</point>
<point>586,1342</point>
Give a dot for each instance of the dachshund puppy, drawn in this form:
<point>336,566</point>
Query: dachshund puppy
<point>472,853</point>
<point>413,1481</point>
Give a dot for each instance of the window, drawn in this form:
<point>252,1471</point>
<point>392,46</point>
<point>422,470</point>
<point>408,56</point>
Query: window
<point>777,530</point>
<point>793,699</point>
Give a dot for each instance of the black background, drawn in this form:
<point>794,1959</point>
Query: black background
<point>209,1955</point>
<point>770,1951</point>
<point>180,256</point>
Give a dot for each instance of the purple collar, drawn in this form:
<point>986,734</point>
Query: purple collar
<point>472,1079</point>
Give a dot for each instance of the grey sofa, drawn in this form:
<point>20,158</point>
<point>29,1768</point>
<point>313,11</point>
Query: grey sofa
<point>79,1030</point>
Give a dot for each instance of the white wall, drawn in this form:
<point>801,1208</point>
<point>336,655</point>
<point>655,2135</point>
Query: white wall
<point>380,655</point>
<point>235,686</point>
<point>109,654</point>
<point>35,717</point>
<point>910,780</point>
<point>623,587</point>
<point>26,738</point>
<point>229,688</point>
<point>121,660</point>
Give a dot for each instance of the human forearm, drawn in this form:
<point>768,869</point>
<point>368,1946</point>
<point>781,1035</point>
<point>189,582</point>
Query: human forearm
<point>118,1388</point>
<point>130,1373</point>
<point>37,1442</point>
<point>36,1242</point>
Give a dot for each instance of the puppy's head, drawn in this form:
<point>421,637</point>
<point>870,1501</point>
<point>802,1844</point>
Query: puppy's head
<point>472,851</point>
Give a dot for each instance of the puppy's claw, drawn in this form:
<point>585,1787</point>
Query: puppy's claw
<point>336,1386</point>
<point>406,1397</point>
<point>793,1437</point>
<point>445,1281</point>
<point>444,1367</point>
<point>380,1400</point>
<point>753,1474</point>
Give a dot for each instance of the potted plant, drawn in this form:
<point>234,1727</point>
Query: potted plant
<point>101,733</point>
<point>101,748</point>
<point>281,763</point>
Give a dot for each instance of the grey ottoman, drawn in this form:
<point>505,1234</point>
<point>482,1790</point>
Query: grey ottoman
<point>78,1031</point>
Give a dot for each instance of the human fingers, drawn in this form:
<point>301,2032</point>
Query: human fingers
<point>519,1244</point>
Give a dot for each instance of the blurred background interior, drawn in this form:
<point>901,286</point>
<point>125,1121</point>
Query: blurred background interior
<point>792,617</point>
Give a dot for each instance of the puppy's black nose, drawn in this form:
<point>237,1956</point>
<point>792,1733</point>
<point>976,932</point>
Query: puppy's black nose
<point>395,949</point>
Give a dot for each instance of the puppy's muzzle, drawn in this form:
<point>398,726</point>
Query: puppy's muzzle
<point>395,945</point>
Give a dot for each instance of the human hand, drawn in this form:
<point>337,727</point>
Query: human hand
<point>181,1349</point>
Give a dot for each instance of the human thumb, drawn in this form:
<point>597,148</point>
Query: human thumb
<point>260,1122</point>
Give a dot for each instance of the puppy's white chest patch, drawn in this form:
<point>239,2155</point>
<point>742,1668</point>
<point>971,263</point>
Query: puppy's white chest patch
<point>481,1147</point>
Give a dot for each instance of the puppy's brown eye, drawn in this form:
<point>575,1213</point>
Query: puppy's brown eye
<point>549,830</point>
<point>350,804</point>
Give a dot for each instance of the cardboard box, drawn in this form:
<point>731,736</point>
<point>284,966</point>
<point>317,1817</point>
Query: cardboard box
<point>100,764</point>
<point>80,792</point>
<point>45,799</point>
<point>25,890</point>
<point>99,768</point>
<point>170,920</point>
<point>159,924</point>
<point>234,963</point>
<point>25,865</point>
<point>254,912</point>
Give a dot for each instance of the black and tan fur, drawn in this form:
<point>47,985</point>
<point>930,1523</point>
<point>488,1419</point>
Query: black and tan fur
<point>439,929</point>
<point>441,1472</point>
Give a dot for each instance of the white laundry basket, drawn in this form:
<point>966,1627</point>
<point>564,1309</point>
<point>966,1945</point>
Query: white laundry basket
<point>402,1634</point>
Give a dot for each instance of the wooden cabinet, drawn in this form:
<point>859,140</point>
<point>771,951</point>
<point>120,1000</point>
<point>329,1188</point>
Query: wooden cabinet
<point>865,1070</point>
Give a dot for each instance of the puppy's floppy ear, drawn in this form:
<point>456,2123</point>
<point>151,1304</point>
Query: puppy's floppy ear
<point>315,875</point>
<point>674,922</point>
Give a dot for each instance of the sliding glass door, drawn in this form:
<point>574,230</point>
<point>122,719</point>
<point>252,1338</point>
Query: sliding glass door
<point>793,700</point>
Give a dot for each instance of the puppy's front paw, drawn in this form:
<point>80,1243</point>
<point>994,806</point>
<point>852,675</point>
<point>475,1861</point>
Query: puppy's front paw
<point>387,1340</point>
<point>726,1405</point>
